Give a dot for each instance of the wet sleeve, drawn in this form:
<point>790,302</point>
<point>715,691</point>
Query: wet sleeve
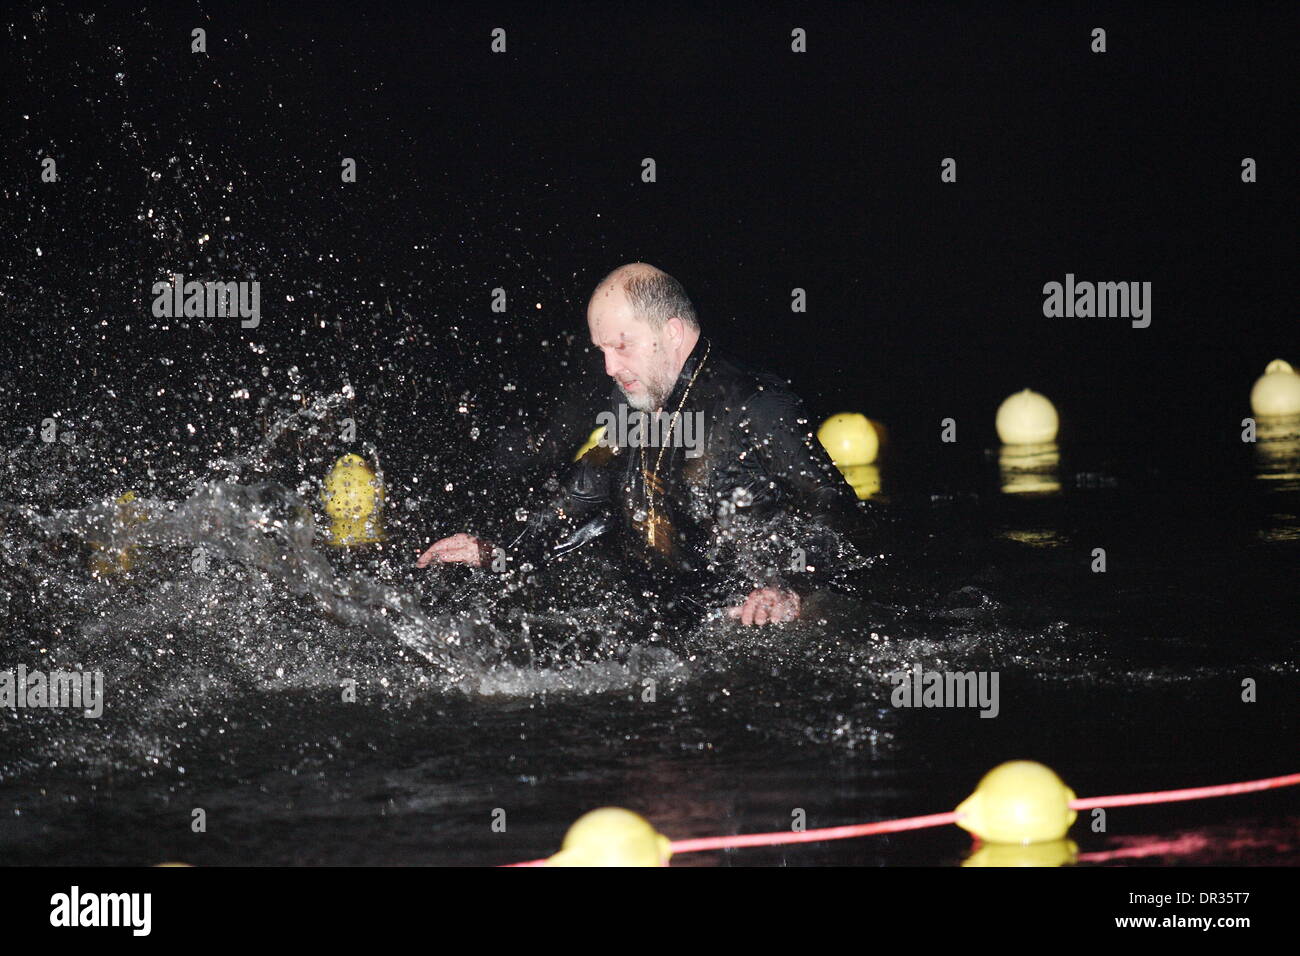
<point>576,512</point>
<point>793,457</point>
<point>819,509</point>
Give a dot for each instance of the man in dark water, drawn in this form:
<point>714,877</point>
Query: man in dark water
<point>708,481</point>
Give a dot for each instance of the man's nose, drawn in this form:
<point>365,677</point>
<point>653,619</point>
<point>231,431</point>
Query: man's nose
<point>612,364</point>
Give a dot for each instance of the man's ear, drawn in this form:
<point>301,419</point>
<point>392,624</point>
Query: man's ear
<point>676,331</point>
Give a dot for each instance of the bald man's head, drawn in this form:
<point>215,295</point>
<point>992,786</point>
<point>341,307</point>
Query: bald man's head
<point>654,295</point>
<point>643,323</point>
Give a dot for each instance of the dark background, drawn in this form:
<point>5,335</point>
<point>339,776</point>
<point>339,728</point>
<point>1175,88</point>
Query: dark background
<point>775,170</point>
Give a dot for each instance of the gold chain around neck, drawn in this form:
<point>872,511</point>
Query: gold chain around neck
<point>650,477</point>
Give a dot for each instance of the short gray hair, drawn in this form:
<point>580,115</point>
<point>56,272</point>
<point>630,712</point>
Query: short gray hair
<point>656,297</point>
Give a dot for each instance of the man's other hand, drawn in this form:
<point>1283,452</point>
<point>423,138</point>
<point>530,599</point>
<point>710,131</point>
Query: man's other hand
<point>767,606</point>
<point>462,548</point>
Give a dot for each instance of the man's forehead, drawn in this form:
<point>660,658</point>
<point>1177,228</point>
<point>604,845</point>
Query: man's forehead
<point>611,336</point>
<point>609,302</point>
<point>611,317</point>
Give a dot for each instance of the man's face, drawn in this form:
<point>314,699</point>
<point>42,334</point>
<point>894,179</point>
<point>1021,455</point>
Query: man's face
<point>638,358</point>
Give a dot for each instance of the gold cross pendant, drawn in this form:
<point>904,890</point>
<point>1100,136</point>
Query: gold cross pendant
<point>659,533</point>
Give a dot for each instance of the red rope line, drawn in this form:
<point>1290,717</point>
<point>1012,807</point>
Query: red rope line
<point>813,836</point>
<point>1191,793</point>
<point>939,819</point>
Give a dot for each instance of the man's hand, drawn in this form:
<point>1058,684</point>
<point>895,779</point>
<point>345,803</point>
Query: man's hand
<point>767,606</point>
<point>463,548</point>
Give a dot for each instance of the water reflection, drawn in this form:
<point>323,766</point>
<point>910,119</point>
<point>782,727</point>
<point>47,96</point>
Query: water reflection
<point>1277,462</point>
<point>1277,451</point>
<point>1030,469</point>
<point>864,479</point>
<point>1037,537</point>
<point>1052,853</point>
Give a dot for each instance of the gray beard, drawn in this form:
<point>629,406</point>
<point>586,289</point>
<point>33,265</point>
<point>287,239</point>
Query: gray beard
<point>652,400</point>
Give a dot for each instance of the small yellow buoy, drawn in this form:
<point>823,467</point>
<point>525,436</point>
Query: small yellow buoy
<point>1018,802</point>
<point>1027,418</point>
<point>353,499</point>
<point>612,836</point>
<point>853,442</point>
<point>157,865</point>
<point>592,442</point>
<point>850,439</point>
<point>111,557</point>
<point>1277,391</point>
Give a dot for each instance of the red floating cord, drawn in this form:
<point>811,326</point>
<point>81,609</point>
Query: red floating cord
<point>699,844</point>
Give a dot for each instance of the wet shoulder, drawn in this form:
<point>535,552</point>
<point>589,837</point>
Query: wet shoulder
<point>746,390</point>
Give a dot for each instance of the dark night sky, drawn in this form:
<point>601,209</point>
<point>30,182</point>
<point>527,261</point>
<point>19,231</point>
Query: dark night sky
<point>775,170</point>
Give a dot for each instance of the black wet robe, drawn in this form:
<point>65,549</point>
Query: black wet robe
<point>739,494</point>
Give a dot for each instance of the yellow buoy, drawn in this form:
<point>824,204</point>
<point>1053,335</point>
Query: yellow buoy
<point>850,439</point>
<point>1277,391</point>
<point>592,442</point>
<point>111,557</point>
<point>1018,802</point>
<point>612,836</point>
<point>353,499</point>
<point>1027,418</point>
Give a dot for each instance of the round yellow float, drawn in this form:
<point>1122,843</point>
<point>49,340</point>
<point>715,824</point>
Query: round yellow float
<point>853,442</point>
<point>1276,393</point>
<point>1018,802</point>
<point>353,498</point>
<point>110,556</point>
<point>1027,418</point>
<point>612,836</point>
<point>850,439</point>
